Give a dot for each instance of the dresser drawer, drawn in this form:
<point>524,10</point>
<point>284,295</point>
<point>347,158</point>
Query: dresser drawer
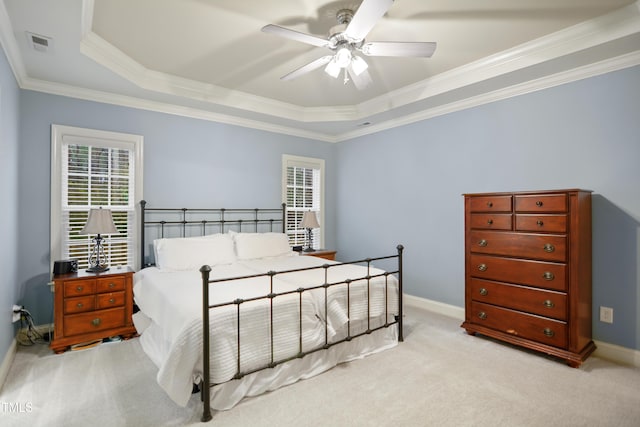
<point>108,300</point>
<point>110,284</point>
<point>537,328</point>
<point>79,287</point>
<point>491,221</point>
<point>79,304</point>
<point>542,223</point>
<point>532,300</point>
<point>490,204</point>
<point>541,203</point>
<point>538,246</point>
<point>540,274</point>
<point>75,324</point>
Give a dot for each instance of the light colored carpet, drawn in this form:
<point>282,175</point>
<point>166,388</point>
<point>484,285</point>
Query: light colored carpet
<point>439,376</point>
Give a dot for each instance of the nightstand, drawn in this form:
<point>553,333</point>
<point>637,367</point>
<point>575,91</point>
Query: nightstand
<point>322,253</point>
<point>92,306</point>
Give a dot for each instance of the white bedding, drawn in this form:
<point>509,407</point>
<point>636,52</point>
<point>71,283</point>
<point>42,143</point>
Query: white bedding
<point>172,301</point>
<point>170,305</point>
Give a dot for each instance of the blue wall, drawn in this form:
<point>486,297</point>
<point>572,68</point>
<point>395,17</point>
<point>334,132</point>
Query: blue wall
<point>404,186</point>
<point>187,163</point>
<point>9,143</point>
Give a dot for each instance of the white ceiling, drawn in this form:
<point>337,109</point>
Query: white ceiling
<point>209,59</point>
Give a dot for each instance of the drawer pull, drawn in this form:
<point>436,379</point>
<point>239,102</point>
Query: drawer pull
<point>482,315</point>
<point>112,285</point>
<point>490,204</point>
<point>483,292</point>
<point>482,243</point>
<point>96,321</point>
<point>79,305</point>
<point>547,275</point>
<point>539,203</point>
<point>490,222</point>
<point>79,288</point>
<point>482,267</point>
<point>548,247</point>
<point>548,303</point>
<point>540,223</point>
<point>548,332</point>
<point>112,300</point>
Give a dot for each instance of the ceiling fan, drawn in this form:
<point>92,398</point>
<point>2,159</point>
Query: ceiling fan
<point>347,38</point>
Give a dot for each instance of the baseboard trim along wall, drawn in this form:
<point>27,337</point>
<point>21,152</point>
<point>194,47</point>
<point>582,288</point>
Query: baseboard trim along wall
<point>612,352</point>
<point>7,361</point>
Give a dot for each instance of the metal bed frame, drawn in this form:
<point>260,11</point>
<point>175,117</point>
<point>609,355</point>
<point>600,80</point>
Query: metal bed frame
<point>183,219</point>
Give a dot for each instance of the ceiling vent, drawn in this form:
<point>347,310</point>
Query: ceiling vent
<point>39,43</point>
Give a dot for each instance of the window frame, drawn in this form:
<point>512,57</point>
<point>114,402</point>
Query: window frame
<point>95,138</point>
<point>310,163</point>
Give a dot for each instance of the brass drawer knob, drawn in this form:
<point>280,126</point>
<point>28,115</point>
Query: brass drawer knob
<point>482,243</point>
<point>483,292</point>
<point>79,288</point>
<point>548,247</point>
<point>539,203</point>
<point>547,275</point>
<point>482,315</point>
<point>489,222</point>
<point>96,321</point>
<point>548,303</point>
<point>489,204</point>
<point>112,300</point>
<point>79,305</point>
<point>540,223</point>
<point>482,267</point>
<point>548,332</point>
<point>112,285</point>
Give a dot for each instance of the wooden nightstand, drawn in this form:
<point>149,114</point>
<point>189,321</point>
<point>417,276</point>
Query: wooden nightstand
<point>322,253</point>
<point>92,306</point>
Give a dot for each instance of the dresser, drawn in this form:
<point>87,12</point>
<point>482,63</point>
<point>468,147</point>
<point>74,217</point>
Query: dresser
<point>528,270</point>
<point>92,306</point>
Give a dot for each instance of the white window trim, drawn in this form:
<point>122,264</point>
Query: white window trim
<point>115,139</point>
<point>311,163</point>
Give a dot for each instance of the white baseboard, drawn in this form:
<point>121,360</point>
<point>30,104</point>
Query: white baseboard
<point>7,361</point>
<point>604,350</point>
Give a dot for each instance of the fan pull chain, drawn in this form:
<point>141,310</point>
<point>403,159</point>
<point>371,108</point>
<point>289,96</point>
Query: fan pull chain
<point>346,77</point>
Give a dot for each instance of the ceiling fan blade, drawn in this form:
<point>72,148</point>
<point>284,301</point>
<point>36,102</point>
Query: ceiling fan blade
<point>369,12</point>
<point>415,49</point>
<point>295,35</point>
<point>307,68</point>
<point>360,81</point>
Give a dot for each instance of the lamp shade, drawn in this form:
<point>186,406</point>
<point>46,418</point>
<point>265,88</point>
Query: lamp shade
<point>100,221</point>
<point>309,220</point>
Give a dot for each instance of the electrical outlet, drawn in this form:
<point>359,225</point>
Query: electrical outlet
<point>606,314</point>
<point>16,313</point>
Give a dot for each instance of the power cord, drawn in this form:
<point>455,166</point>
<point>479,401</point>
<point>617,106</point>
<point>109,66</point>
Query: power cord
<point>28,334</point>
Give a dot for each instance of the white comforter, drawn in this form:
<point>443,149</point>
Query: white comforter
<point>172,301</point>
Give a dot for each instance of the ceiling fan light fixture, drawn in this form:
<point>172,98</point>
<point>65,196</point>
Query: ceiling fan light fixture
<point>332,68</point>
<point>358,65</point>
<point>343,57</point>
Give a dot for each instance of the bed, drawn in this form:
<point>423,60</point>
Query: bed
<point>224,303</point>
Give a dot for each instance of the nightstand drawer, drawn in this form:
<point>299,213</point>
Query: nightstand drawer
<point>75,324</point>
<point>110,284</point>
<point>79,287</point>
<point>79,304</point>
<point>114,299</point>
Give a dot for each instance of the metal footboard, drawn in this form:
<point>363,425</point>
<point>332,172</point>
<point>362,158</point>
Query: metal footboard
<point>206,307</point>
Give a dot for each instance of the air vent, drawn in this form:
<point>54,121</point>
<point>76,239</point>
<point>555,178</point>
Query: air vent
<point>39,43</point>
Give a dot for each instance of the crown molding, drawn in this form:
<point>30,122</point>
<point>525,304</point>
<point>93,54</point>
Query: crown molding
<point>8,42</point>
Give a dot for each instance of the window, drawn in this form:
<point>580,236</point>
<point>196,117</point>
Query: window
<point>91,169</point>
<point>303,190</point>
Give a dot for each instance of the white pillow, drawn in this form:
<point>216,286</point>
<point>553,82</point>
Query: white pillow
<point>261,245</point>
<point>191,253</point>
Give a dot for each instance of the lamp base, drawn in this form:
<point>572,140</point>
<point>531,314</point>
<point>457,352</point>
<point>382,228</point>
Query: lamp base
<point>97,269</point>
<point>309,250</point>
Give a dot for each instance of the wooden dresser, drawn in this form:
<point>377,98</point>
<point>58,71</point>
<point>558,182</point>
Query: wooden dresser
<point>528,270</point>
<point>90,306</point>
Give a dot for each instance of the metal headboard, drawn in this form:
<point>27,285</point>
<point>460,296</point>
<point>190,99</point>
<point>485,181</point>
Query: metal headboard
<point>157,223</point>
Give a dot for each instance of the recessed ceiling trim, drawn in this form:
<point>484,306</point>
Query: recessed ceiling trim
<point>591,33</point>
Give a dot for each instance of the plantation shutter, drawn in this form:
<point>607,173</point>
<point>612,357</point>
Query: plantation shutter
<point>95,169</point>
<point>303,193</point>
